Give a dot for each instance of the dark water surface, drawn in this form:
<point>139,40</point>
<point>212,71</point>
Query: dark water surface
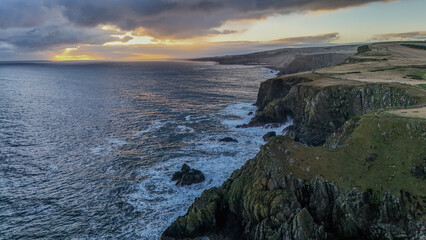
<point>87,150</point>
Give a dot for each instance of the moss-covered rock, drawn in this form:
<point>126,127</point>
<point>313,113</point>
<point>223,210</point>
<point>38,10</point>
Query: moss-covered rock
<point>293,191</point>
<point>319,108</point>
<point>365,182</point>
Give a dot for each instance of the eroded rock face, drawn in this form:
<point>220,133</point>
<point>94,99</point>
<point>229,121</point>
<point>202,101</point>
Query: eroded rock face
<point>283,193</point>
<point>187,176</point>
<point>296,210</point>
<point>314,210</point>
<point>267,198</point>
<point>318,111</point>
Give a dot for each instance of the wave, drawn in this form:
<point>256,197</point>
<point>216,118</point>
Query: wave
<point>160,200</point>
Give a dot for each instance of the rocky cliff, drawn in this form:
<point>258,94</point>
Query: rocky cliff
<point>354,167</point>
<point>319,107</point>
<point>363,189</point>
<point>291,60</point>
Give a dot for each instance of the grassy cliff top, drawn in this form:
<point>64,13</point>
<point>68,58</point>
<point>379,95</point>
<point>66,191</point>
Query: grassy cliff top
<point>397,64</point>
<point>384,63</point>
<point>378,152</point>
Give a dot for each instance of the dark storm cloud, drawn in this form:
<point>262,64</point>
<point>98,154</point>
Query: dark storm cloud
<point>29,23</point>
<point>23,13</point>
<point>185,18</point>
<point>51,36</point>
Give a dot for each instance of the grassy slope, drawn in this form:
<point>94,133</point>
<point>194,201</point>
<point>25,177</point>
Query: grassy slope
<point>400,144</point>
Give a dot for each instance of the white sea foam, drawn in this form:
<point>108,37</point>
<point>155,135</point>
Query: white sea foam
<point>185,129</point>
<point>116,142</point>
<point>101,150</point>
<point>106,148</point>
<point>154,126</point>
<point>158,197</point>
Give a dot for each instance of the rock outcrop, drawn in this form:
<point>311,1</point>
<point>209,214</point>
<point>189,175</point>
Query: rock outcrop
<point>291,60</point>
<point>292,191</point>
<point>351,166</point>
<point>228,139</point>
<point>319,108</point>
<point>269,135</point>
<point>188,176</point>
<point>307,62</point>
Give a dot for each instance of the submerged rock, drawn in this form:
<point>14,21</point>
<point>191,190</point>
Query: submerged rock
<point>269,135</point>
<point>187,176</point>
<point>228,139</point>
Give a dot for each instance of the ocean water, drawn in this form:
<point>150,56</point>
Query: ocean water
<point>87,150</point>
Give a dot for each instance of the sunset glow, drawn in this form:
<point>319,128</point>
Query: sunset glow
<point>190,32</point>
<point>147,56</point>
<point>69,54</point>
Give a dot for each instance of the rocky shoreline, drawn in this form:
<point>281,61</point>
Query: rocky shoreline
<point>351,167</point>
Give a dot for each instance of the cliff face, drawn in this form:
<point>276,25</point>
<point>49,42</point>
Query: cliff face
<point>318,108</point>
<point>352,169</point>
<point>291,60</point>
<point>292,191</point>
<point>305,62</point>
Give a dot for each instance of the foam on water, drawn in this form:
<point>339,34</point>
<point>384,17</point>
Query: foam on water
<point>106,148</point>
<point>72,135</point>
<point>158,197</point>
<point>185,129</point>
<point>155,125</point>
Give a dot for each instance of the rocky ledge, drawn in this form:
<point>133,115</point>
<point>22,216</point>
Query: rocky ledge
<point>293,191</point>
<point>188,176</point>
<point>353,169</point>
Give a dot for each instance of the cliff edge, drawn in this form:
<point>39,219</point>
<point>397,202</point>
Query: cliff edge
<point>351,167</point>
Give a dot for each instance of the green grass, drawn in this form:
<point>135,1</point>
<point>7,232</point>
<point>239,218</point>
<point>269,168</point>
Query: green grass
<point>398,142</point>
<point>414,46</point>
<point>421,75</point>
<point>422,85</point>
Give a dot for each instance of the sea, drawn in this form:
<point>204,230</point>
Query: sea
<point>87,149</point>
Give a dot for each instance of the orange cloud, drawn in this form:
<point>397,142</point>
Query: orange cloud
<point>70,54</point>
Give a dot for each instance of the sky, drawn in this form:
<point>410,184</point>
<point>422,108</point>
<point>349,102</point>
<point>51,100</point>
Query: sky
<point>131,30</point>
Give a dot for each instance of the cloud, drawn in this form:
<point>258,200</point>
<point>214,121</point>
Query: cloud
<point>186,18</point>
<point>160,18</point>
<point>23,14</point>
<point>50,24</point>
<point>420,35</point>
<point>54,36</point>
<point>309,39</point>
<point>161,50</point>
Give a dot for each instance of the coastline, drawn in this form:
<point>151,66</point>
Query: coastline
<point>330,177</point>
<point>289,60</point>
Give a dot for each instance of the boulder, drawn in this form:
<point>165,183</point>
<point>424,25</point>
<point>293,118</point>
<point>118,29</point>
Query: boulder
<point>228,139</point>
<point>269,135</point>
<point>187,176</point>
